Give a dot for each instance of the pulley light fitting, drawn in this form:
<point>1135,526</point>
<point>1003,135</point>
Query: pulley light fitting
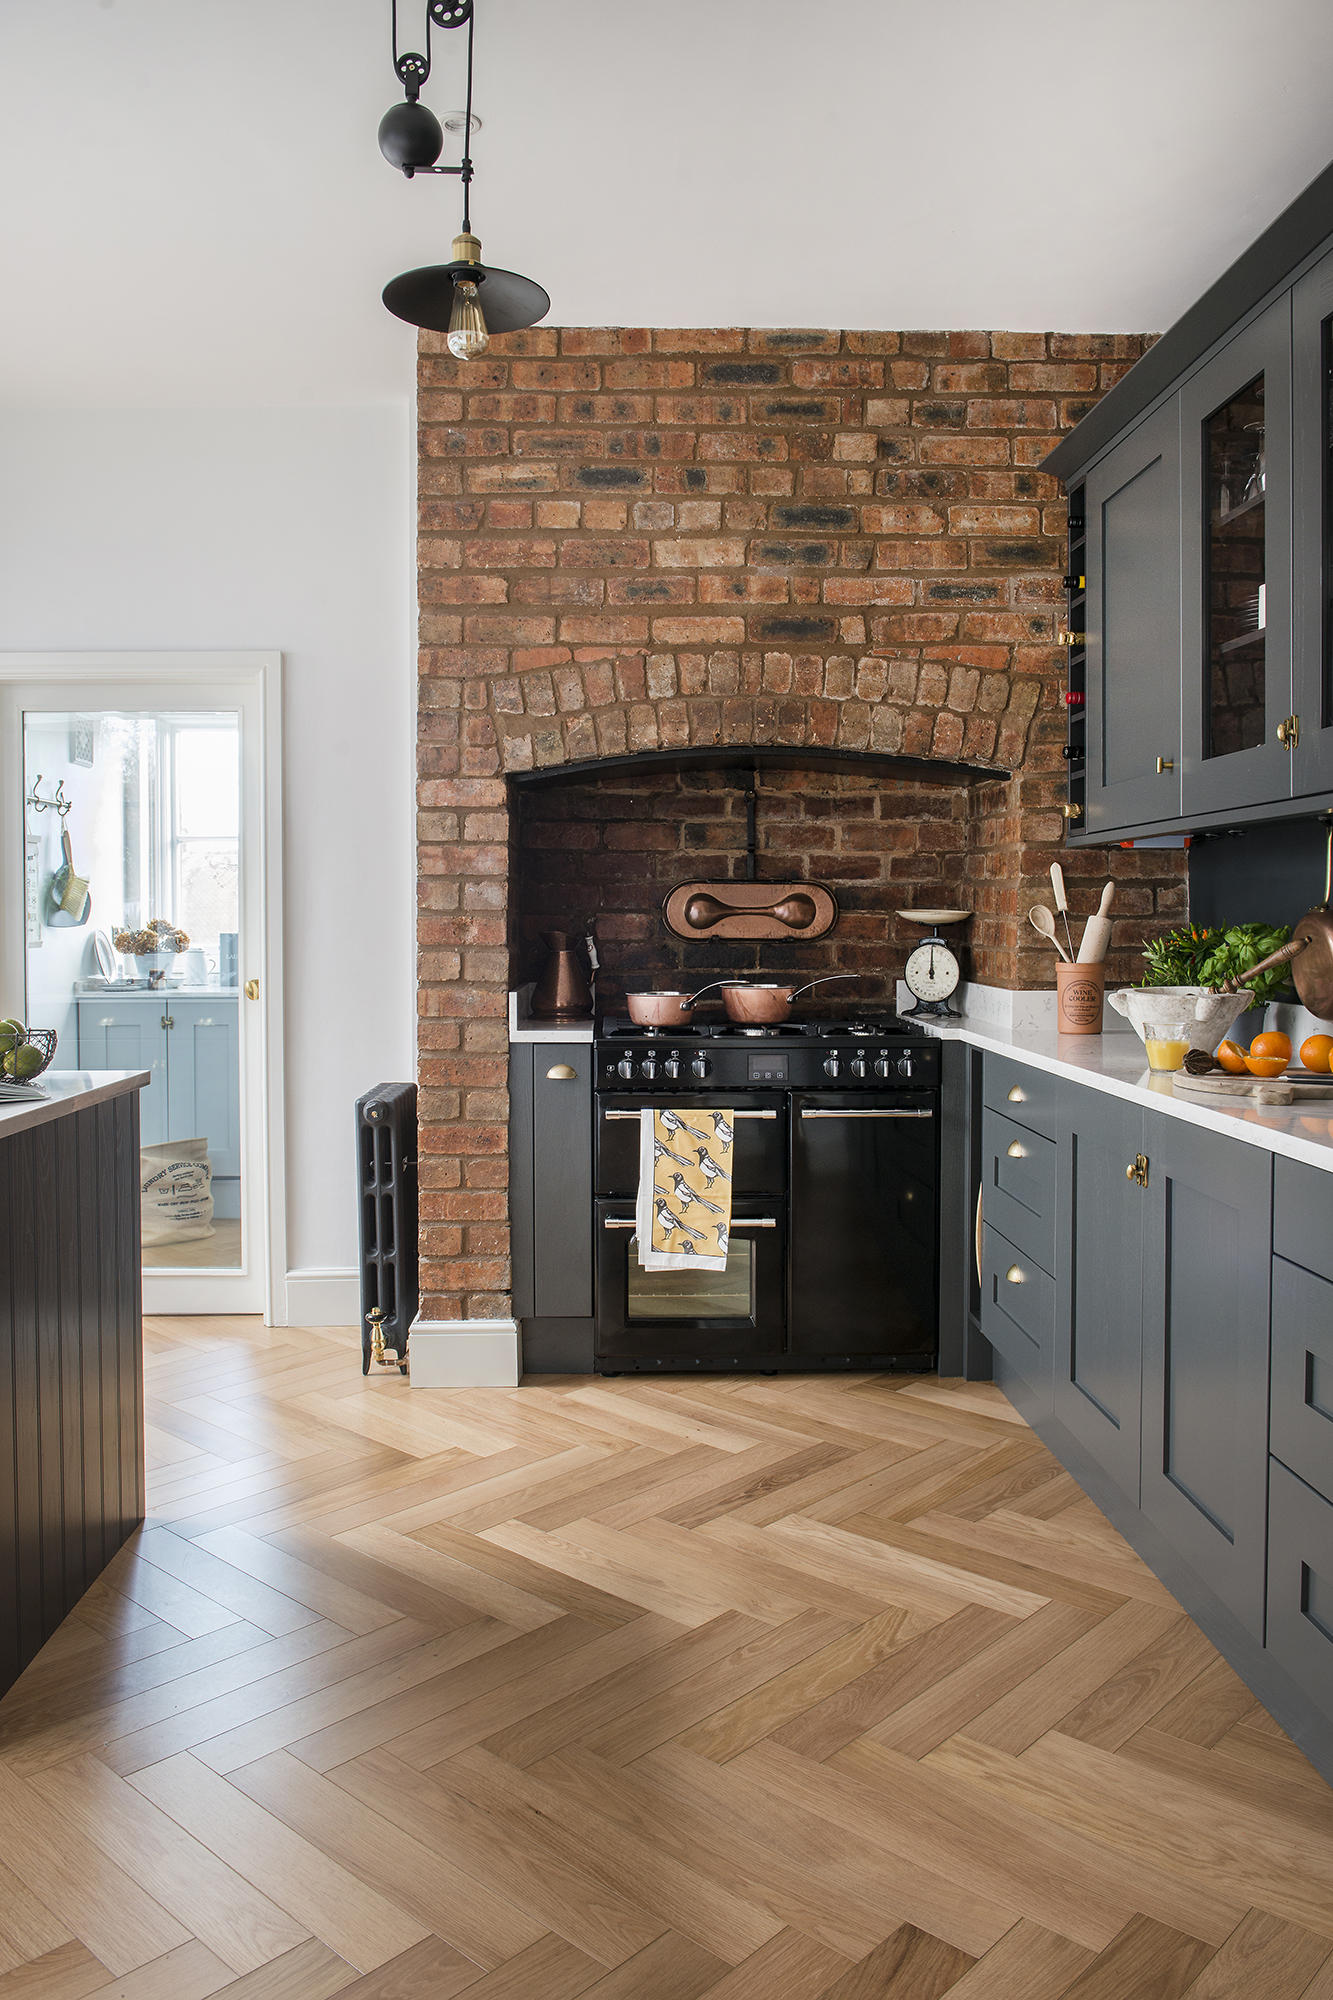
<point>464,299</point>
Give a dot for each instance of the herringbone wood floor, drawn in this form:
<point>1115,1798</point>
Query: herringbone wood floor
<point>635,1690</point>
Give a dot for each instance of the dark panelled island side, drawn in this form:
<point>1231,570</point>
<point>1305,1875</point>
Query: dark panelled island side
<point>71,1350</point>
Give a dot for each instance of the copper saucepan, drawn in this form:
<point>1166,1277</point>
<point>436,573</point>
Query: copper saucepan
<point>760,1004</point>
<point>664,1010</point>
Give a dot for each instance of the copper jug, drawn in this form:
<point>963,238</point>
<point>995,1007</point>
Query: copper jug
<point>562,993</point>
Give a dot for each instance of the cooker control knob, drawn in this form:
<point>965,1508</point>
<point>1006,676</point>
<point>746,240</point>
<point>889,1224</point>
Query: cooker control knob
<point>625,1068</point>
<point>883,1067</point>
<point>831,1065</point>
<point>700,1067</point>
<point>859,1066</point>
<point>671,1067</point>
<point>904,1065</point>
<point>648,1068</point>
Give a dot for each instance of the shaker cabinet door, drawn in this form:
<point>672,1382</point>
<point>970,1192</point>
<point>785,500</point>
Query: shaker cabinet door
<point>204,1081</point>
<point>1208,1225</point>
<point>1312,526</point>
<point>1235,460</point>
<point>1132,505</point>
<point>562,1179</point>
<point>1099,1280</point>
<point>130,1036</point>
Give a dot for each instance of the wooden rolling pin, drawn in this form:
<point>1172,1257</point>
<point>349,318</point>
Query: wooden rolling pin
<point>1096,940</point>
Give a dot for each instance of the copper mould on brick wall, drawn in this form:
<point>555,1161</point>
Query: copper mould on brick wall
<point>465,299</point>
<point>792,910</point>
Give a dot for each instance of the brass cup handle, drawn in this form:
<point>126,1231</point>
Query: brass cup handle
<point>561,1073</point>
<point>1014,1275</point>
<point>1015,1150</point>
<point>1016,1094</point>
<point>980,1192</point>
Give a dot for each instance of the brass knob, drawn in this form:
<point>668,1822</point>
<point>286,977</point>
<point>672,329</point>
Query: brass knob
<point>252,989</point>
<point>1014,1275</point>
<point>1072,811</point>
<point>1131,1172</point>
<point>1015,1151</point>
<point>1164,764</point>
<point>561,1073</point>
<point>1016,1094</point>
<point>1289,732</point>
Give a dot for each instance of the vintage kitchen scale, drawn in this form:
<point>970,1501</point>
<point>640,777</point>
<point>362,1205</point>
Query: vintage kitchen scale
<point>932,971</point>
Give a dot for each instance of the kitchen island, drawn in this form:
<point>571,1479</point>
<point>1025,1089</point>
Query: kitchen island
<point>71,1360</point>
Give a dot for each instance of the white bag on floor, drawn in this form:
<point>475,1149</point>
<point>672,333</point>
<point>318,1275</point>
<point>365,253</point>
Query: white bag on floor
<point>176,1192</point>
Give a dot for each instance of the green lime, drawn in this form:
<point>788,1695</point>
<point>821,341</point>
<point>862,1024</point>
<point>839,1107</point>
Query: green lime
<point>27,1060</point>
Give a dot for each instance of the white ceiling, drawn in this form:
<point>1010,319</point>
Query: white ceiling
<point>193,208</point>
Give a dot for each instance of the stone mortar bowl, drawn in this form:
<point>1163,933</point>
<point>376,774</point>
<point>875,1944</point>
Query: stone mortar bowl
<point>1209,1016</point>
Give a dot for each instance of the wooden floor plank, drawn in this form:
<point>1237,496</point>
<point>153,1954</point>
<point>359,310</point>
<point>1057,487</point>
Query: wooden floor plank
<point>349,1916</point>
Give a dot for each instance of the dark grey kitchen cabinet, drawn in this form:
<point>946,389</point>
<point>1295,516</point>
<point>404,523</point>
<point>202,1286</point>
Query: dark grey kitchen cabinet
<point>1301,1413</point>
<point>1099,1280</point>
<point>551,1197</point>
<point>1241,383</point>
<point>1312,528</point>
<point>1018,1317</point>
<point>1207,1247</point>
<point>1300,1585</point>
<point>1236,550</point>
<point>1132,503</point>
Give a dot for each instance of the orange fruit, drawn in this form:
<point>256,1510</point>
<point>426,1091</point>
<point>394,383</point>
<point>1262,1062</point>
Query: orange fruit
<point>1265,1065</point>
<point>1316,1051</point>
<point>1271,1045</point>
<point>1232,1057</point>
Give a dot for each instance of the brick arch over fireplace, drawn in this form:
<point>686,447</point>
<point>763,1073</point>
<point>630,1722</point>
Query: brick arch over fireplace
<point>642,540</point>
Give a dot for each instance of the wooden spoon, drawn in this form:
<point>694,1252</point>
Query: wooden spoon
<point>797,912</point>
<point>1042,920</point>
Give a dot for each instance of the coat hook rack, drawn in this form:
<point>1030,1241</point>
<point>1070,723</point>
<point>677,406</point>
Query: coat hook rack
<point>59,803</point>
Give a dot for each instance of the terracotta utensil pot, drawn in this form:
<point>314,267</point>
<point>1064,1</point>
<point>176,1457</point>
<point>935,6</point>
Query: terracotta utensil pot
<point>1079,991</point>
<point>761,1005</point>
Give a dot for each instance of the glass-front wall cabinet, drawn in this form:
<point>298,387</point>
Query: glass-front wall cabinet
<point>1236,637</point>
<point>1235,611</point>
<point>1312,472</point>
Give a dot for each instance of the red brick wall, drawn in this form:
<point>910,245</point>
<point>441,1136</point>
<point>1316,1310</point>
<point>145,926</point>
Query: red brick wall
<point>636,539</point>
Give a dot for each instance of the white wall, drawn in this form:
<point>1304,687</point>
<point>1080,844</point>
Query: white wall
<point>287,529</point>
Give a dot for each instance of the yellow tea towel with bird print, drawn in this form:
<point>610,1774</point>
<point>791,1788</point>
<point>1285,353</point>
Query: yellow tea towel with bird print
<point>683,1214</point>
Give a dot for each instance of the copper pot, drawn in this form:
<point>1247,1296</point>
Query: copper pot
<point>664,1010</point>
<point>759,1005</point>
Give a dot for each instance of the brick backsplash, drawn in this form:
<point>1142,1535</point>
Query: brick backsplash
<point>653,539</point>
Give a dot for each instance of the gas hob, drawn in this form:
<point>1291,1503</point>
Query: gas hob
<point>869,1053</point>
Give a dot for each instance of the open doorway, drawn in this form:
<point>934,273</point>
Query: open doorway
<point>146,866</point>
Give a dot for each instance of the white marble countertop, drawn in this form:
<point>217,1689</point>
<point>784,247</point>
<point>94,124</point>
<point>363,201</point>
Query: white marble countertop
<point>1115,1063</point>
<point>84,990</point>
<point>67,1090</point>
<point>522,1027</point>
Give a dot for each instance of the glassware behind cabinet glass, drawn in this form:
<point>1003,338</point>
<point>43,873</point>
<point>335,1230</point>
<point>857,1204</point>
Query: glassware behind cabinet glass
<point>1235,556</point>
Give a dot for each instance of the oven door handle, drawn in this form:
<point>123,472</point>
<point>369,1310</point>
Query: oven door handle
<point>736,1114</point>
<point>737,1222</point>
<point>867,1114</point>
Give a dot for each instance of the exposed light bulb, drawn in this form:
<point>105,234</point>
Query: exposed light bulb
<point>467,336</point>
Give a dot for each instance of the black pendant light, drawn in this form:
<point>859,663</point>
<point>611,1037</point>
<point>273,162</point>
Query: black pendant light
<point>463,299</point>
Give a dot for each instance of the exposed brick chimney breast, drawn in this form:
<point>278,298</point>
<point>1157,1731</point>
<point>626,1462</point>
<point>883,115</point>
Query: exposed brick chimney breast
<point>637,539</point>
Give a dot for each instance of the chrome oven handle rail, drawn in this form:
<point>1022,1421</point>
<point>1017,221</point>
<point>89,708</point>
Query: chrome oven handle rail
<point>867,1114</point>
<point>738,1114</point>
<point>737,1222</point>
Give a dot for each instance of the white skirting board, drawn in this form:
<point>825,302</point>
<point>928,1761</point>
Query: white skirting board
<point>324,1298</point>
<point>463,1353</point>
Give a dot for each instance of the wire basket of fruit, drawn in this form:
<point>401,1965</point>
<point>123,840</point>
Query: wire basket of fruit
<point>25,1052</point>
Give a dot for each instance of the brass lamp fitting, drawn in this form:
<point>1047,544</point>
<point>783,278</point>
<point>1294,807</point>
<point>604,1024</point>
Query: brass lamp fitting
<point>467,248</point>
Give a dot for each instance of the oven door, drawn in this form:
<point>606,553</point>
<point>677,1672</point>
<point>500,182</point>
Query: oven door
<point>865,1232</point>
<point>760,1143</point>
<point>691,1319</point>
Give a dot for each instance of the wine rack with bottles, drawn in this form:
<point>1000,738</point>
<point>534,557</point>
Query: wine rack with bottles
<point>1074,641</point>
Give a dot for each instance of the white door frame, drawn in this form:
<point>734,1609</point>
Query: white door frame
<point>75,681</point>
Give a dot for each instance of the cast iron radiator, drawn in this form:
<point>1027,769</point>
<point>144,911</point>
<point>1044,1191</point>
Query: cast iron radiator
<point>386,1159</point>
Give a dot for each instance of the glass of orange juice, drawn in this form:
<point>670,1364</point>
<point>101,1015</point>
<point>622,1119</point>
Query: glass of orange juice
<point>1168,1044</point>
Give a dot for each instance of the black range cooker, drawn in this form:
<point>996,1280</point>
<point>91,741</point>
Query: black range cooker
<point>833,1254</point>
